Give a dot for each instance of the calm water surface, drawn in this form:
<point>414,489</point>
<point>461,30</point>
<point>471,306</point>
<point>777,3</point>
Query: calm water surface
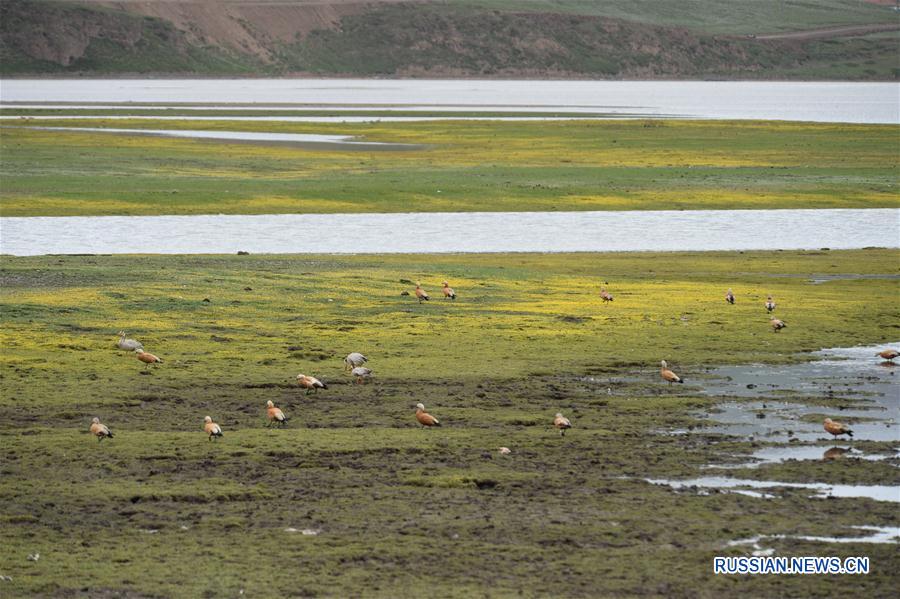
<point>254,136</point>
<point>851,102</point>
<point>696,230</point>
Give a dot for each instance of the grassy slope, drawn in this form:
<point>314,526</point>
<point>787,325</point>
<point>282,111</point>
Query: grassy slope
<point>481,38</point>
<point>454,40</point>
<point>468,166</point>
<point>400,509</point>
<point>711,16</point>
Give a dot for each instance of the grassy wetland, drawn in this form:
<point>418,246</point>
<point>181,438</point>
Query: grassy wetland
<point>462,166</point>
<point>389,509</point>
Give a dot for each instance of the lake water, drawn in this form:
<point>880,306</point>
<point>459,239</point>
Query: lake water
<point>303,139</point>
<point>851,102</point>
<point>696,230</point>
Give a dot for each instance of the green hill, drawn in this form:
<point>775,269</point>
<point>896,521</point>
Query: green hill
<point>763,39</point>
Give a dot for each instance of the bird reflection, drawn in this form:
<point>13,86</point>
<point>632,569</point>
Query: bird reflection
<point>834,453</point>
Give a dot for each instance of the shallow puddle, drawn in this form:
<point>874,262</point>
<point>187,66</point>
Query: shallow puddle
<point>871,387</point>
<point>768,489</point>
<point>777,455</point>
<point>299,139</point>
<point>877,534</point>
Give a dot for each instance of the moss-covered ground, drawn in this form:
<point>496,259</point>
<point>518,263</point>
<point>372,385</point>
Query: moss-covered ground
<point>159,511</point>
<point>464,166</point>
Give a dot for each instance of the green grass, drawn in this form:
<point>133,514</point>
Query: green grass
<point>642,40</point>
<point>160,511</point>
<point>711,16</point>
<point>465,166</point>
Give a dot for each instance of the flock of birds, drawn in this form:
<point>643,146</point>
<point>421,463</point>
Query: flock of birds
<point>355,364</point>
<point>423,296</point>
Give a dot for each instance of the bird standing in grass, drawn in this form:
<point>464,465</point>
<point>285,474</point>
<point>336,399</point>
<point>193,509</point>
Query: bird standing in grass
<point>275,415</point>
<point>729,297</point>
<point>561,423</point>
<point>212,429</point>
<point>100,430</point>
<point>128,344</point>
<point>354,359</point>
<point>146,358</point>
<point>837,428</point>
<point>668,375</point>
<point>605,295</point>
<point>770,304</point>
<point>424,418</point>
<point>448,291</point>
<point>361,373</point>
<point>310,383</point>
<point>777,325</point>
<point>420,294</point>
<point>889,354</point>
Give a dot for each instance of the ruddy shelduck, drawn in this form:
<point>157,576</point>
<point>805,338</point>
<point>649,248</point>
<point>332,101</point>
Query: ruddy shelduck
<point>424,418</point>
<point>275,415</point>
<point>777,325</point>
<point>146,358</point>
<point>212,429</point>
<point>448,291</point>
<point>770,304</point>
<point>420,294</point>
<point>128,344</point>
<point>561,423</point>
<point>100,430</point>
<point>837,428</point>
<point>729,297</point>
<point>310,383</point>
<point>605,295</point>
<point>668,375</point>
<point>361,373</point>
<point>353,360</point>
<point>889,354</point>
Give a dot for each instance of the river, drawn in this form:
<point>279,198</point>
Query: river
<point>849,102</point>
<point>695,230</point>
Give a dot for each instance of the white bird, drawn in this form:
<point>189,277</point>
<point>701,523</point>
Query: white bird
<point>361,372</point>
<point>354,359</point>
<point>128,344</point>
